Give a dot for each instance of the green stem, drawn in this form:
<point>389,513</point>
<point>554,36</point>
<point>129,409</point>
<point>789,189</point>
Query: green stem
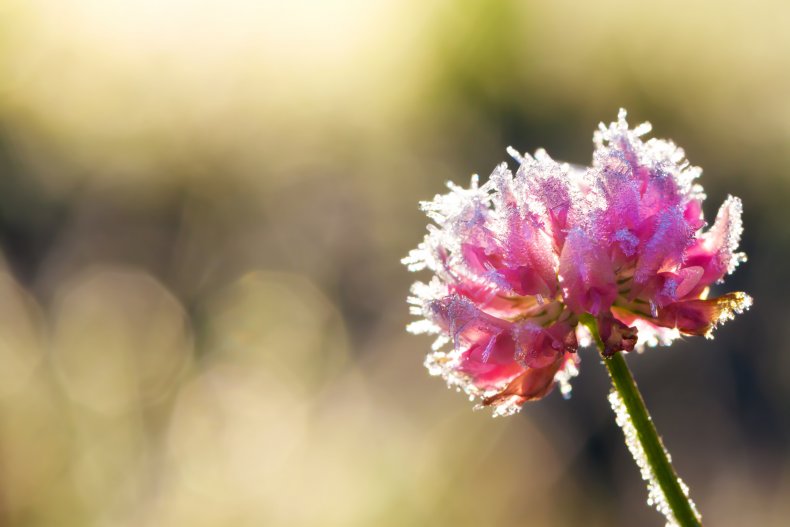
<point>654,452</point>
<point>656,455</point>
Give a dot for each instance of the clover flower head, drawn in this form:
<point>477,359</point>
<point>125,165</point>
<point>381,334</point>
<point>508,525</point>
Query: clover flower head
<point>520,261</point>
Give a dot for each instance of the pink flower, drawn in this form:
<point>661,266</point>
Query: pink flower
<point>520,260</point>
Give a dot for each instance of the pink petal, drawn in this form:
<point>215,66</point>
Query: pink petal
<point>693,215</point>
<point>699,317</point>
<point>491,362</point>
<point>529,256</point>
<point>676,286</point>
<point>586,274</point>
<point>716,250</point>
<point>464,321</point>
<point>551,185</point>
<point>538,347</point>
<point>534,383</point>
<point>664,248</point>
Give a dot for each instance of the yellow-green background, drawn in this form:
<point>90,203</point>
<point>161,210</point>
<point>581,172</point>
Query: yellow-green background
<point>202,208</point>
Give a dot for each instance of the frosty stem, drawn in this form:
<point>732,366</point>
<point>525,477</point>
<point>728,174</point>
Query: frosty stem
<point>657,458</point>
<point>655,454</point>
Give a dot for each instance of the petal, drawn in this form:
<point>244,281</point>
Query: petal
<point>529,255</point>
<point>715,251</point>
<point>621,188</point>
<point>526,281</point>
<point>533,384</point>
<point>491,363</point>
<point>586,274</point>
<point>693,215</point>
<point>497,359</point>
<point>551,187</point>
<point>660,167</point>
<point>678,285</point>
<point>700,317</point>
<point>477,259</point>
<point>523,264</point>
<point>489,299</point>
<point>462,319</point>
<point>665,246</point>
<point>687,280</point>
<point>538,347</point>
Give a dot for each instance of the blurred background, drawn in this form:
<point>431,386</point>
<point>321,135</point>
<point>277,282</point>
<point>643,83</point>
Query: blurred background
<point>203,205</point>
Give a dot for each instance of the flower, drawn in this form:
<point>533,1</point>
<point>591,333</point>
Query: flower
<point>526,262</point>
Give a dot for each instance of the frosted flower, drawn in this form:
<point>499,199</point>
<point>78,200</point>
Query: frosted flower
<point>518,262</point>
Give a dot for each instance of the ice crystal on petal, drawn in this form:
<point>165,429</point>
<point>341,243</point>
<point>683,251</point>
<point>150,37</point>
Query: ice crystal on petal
<point>651,335</point>
<point>518,260</point>
<point>725,235</point>
<point>564,376</point>
<point>730,305</point>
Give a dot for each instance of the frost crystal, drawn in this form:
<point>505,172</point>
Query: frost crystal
<point>655,496</point>
<point>518,260</point>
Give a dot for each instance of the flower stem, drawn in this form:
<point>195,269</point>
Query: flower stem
<point>643,440</point>
<point>655,455</point>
